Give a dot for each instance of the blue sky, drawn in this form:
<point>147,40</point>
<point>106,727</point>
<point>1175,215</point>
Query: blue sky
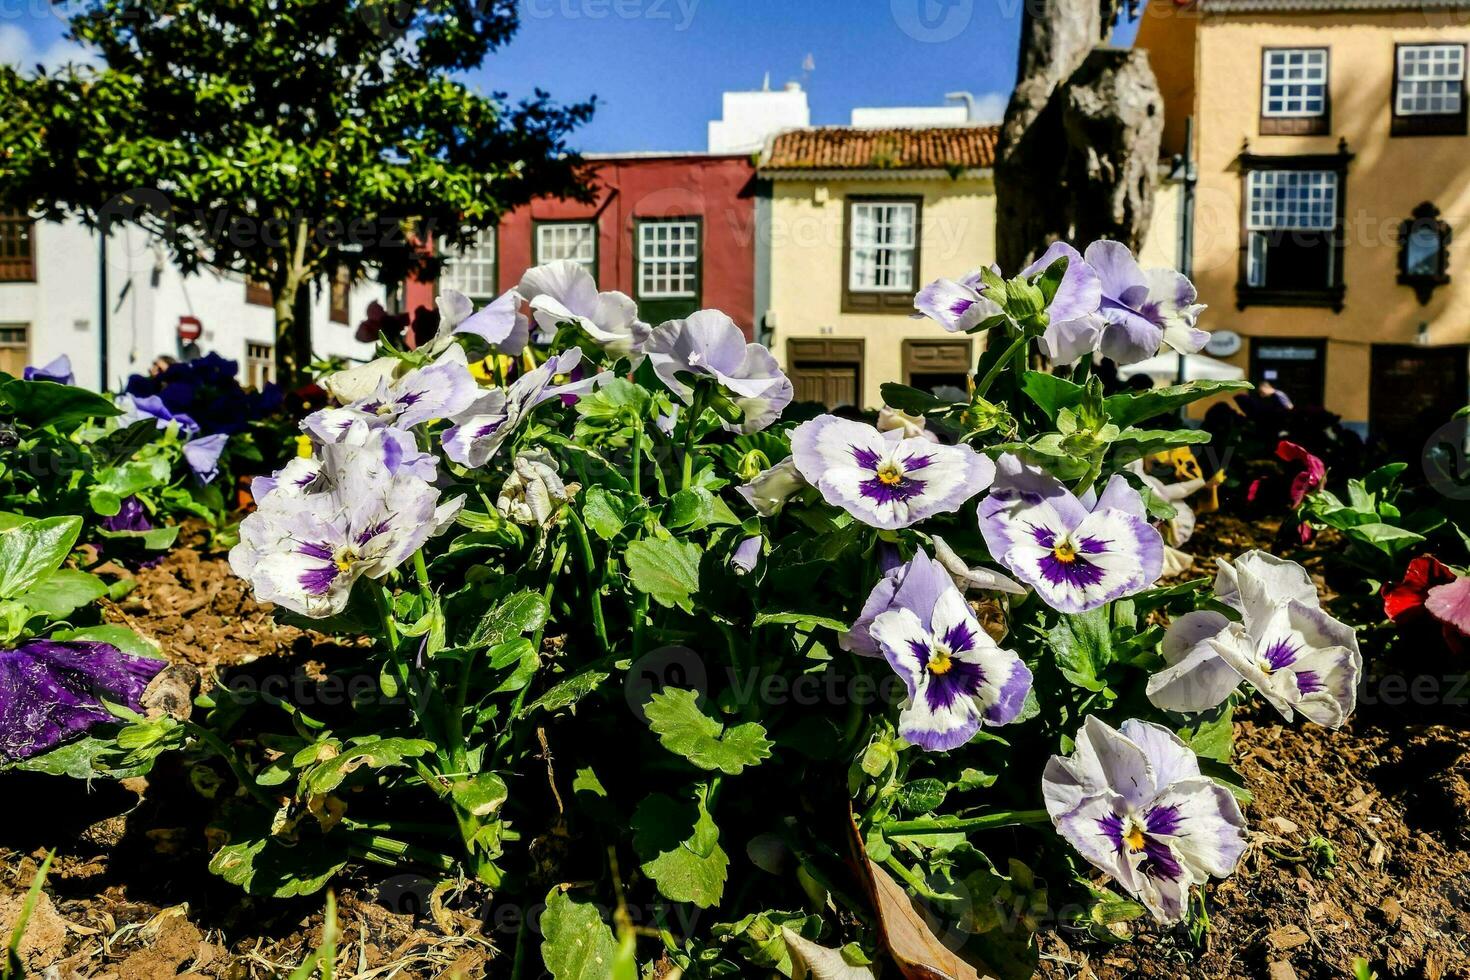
<point>658,66</point>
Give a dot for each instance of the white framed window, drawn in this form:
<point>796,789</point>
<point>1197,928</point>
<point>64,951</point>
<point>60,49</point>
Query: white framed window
<point>1294,82</point>
<point>882,244</point>
<point>668,259</point>
<point>472,271</point>
<point>260,362</point>
<point>1431,80</point>
<point>567,240</point>
<point>1291,220</point>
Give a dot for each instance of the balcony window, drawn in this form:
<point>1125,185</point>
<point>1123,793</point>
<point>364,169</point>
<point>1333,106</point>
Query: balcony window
<point>1292,236</point>
<point>667,281</point>
<point>575,240</point>
<point>17,248</point>
<point>473,271</point>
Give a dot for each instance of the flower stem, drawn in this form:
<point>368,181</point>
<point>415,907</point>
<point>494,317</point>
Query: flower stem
<point>638,460</point>
<point>696,409</point>
<point>934,826</point>
<point>999,365</point>
<point>599,624</point>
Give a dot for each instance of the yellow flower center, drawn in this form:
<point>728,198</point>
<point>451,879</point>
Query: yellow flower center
<point>1065,551</point>
<point>1134,838</point>
<point>940,661</point>
<point>889,475</point>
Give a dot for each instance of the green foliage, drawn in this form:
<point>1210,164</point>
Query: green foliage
<point>684,730</point>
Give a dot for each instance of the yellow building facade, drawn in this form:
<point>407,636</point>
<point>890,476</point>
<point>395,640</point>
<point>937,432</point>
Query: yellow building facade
<point>857,222</point>
<point>1333,164</point>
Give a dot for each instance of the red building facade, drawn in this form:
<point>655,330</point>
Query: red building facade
<point>675,232</point>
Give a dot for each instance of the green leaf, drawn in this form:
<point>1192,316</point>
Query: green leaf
<point>808,620</point>
<point>1132,444</point>
<point>568,692</point>
<point>265,865</point>
<point>922,795</point>
<point>62,592</point>
<point>92,756</point>
<point>605,513</point>
<point>910,400</point>
<point>480,795</point>
<point>379,753</point>
<point>1130,408</point>
<point>119,636</point>
<point>1051,393</point>
<point>1083,647</point>
<point>576,944</point>
<point>30,552</point>
<point>665,568</point>
<point>523,612</point>
<point>154,539</point>
<point>680,847</point>
<point>43,403</point>
<point>684,730</point>
<point>1385,537</point>
<point>694,509</point>
<point>1211,735</point>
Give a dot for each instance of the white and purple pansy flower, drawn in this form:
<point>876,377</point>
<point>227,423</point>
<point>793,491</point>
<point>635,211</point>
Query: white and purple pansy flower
<point>437,390</point>
<point>1133,802</point>
<point>957,305</point>
<point>305,553</point>
<point>957,678</point>
<point>886,483</point>
<point>915,585</point>
<point>484,425</point>
<point>564,292</point>
<point>1078,554</point>
<point>1073,325</point>
<point>708,344</point>
<point>500,323</point>
<point>1144,309</point>
<point>1301,659</point>
<point>967,577</point>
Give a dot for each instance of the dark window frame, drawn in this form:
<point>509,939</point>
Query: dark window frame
<point>880,300</point>
<point>538,223</point>
<point>1318,125</point>
<point>1331,297</point>
<point>20,268</point>
<point>698,297</point>
<point>1423,124</point>
<point>1426,215</point>
<point>1253,360</point>
<point>447,258</point>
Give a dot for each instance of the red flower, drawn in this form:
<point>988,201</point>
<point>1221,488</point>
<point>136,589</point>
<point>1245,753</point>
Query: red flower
<point>1310,478</point>
<point>1404,602</point>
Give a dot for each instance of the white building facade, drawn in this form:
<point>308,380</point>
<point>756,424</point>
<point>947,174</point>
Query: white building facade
<point>51,303</point>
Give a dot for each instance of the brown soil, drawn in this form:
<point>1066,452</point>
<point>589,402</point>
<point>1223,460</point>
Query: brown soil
<point>1389,795</point>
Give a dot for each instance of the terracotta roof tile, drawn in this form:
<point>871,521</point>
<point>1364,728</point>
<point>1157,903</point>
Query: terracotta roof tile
<point>848,148</point>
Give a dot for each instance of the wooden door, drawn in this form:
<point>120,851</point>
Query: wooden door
<point>1415,390</point>
<point>827,371</point>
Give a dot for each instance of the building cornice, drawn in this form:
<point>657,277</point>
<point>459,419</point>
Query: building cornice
<point>803,173</point>
<point>1325,6</point>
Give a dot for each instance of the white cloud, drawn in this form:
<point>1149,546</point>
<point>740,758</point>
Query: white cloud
<point>991,106</point>
<point>18,48</point>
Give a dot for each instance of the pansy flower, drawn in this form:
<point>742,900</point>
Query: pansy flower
<point>305,553</point>
<point>136,408</point>
<point>564,292</point>
<point>58,370</point>
<point>500,323</point>
<point>915,585</point>
<point>1144,310</point>
<point>967,577</point>
<point>1299,658</point>
<point>709,345</point>
<point>1133,802</point>
<point>1078,554</point>
<point>202,455</point>
<point>886,483</point>
<point>482,427</point>
<point>957,305</point>
<point>52,692</point>
<point>957,678</point>
<point>440,389</point>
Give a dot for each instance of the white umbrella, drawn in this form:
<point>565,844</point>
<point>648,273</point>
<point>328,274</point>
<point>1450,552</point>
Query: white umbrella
<point>1164,369</point>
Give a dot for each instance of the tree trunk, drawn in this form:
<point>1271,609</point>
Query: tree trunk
<point>291,295</point>
<point>1079,148</point>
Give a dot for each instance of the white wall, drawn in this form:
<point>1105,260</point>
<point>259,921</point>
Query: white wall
<point>147,295</point>
<point>749,117</point>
